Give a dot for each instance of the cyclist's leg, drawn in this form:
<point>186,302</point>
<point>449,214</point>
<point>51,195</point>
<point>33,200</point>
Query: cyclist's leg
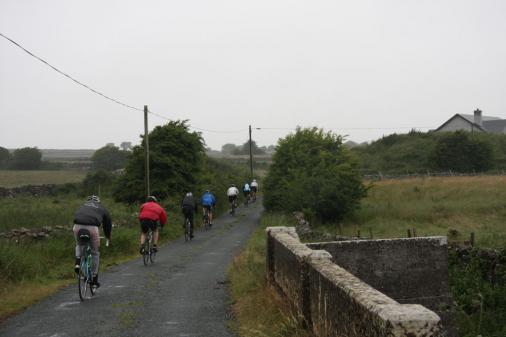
<point>95,253</point>
<point>154,228</point>
<point>210,215</point>
<point>144,229</point>
<point>78,250</point>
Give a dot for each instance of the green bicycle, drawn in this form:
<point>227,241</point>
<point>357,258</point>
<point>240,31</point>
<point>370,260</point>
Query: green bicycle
<point>85,276</point>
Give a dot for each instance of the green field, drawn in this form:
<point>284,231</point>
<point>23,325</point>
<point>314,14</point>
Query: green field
<point>19,178</point>
<point>433,206</point>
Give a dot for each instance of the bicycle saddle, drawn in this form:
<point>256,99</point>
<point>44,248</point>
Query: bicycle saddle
<point>84,235</point>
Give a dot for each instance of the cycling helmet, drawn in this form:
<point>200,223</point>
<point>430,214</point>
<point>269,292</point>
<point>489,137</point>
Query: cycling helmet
<point>189,194</point>
<point>207,191</point>
<point>93,198</point>
<point>254,180</point>
<point>151,198</point>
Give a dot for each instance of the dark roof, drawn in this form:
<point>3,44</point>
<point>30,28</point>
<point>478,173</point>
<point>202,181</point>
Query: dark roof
<point>495,126</point>
<point>483,118</point>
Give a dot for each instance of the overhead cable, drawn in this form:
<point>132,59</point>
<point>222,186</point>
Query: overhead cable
<point>68,76</point>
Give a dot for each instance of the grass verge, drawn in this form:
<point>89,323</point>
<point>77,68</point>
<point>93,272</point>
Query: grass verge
<point>258,309</point>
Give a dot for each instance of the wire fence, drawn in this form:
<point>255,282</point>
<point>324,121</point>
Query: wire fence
<point>428,174</point>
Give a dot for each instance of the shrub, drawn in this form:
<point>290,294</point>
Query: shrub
<point>5,156</point>
<point>27,158</point>
<point>109,158</point>
<point>459,152</point>
<point>176,157</point>
<point>313,171</point>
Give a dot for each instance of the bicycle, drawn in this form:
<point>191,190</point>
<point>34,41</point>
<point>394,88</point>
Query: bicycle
<point>85,276</point>
<point>187,230</point>
<point>148,252</point>
<point>246,201</point>
<point>253,196</point>
<point>206,219</point>
<point>233,207</point>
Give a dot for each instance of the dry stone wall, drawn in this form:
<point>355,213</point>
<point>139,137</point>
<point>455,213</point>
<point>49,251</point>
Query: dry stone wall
<point>332,301</point>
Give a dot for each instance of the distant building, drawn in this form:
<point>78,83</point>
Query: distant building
<point>473,123</point>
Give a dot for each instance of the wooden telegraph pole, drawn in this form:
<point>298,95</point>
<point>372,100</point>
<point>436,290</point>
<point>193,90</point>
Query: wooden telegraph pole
<point>146,150</point>
<point>250,154</point>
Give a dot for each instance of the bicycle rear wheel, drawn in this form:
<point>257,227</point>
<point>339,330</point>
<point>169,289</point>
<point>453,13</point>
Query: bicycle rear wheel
<point>187,230</point>
<point>152,254</point>
<point>145,254</point>
<point>82,280</point>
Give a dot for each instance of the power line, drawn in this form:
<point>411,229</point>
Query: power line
<point>197,128</point>
<point>68,76</point>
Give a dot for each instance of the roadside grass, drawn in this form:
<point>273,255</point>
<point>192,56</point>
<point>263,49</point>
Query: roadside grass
<point>258,309</point>
<point>13,178</point>
<point>432,206</point>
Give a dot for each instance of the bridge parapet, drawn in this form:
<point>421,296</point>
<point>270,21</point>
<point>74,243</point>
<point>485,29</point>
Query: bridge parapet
<point>334,302</point>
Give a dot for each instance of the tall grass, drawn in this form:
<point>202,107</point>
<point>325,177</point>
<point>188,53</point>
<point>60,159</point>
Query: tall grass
<point>433,206</point>
<point>258,309</point>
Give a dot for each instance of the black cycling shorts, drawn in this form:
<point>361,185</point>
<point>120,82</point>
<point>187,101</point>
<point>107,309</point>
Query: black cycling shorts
<point>231,198</point>
<point>254,189</point>
<point>246,193</point>
<point>208,207</point>
<point>148,223</point>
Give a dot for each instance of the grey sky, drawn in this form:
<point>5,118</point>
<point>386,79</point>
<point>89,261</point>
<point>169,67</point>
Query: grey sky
<point>225,64</point>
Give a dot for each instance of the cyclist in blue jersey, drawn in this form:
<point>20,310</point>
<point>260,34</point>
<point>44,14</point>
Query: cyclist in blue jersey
<point>208,202</point>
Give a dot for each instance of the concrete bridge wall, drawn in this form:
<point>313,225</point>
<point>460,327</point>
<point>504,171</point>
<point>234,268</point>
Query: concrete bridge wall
<point>332,301</point>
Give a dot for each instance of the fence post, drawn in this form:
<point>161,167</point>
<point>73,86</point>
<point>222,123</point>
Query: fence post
<point>409,233</point>
<point>414,232</point>
<point>471,239</point>
<point>370,233</point>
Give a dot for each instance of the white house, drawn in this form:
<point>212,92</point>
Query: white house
<point>474,123</point>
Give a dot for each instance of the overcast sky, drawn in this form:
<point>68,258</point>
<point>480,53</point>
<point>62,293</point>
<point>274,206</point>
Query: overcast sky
<point>379,66</point>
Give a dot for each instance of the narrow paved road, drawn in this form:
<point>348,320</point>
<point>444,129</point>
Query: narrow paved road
<point>182,294</point>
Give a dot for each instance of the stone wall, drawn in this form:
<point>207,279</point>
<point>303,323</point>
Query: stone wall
<point>409,270</point>
<point>28,190</point>
<point>332,301</point>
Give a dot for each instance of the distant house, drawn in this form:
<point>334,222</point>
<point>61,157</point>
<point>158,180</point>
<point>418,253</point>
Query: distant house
<point>473,123</point>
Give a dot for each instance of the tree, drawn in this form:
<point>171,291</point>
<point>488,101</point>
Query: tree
<point>176,158</point>
<point>228,148</point>
<point>459,152</point>
<point>5,157</point>
<point>314,172</point>
<point>126,146</point>
<point>244,149</point>
<point>27,158</point>
<point>109,158</point>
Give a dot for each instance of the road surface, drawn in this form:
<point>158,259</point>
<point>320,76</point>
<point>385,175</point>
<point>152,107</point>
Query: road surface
<point>183,294</point>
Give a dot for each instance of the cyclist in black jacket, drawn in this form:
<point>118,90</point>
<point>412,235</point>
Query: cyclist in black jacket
<point>88,217</point>
<point>189,206</point>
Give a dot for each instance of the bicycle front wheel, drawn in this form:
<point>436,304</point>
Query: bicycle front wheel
<point>187,231</point>
<point>145,255</point>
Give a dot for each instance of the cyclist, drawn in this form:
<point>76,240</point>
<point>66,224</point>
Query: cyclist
<point>150,215</point>
<point>254,189</point>
<point>232,194</point>
<point>188,205</point>
<point>208,202</point>
<point>246,189</point>
<point>87,219</point>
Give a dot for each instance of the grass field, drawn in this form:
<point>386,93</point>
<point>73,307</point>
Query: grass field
<point>433,206</point>
<point>19,178</point>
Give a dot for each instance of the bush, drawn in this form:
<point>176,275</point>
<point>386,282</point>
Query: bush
<point>97,182</point>
<point>459,152</point>
<point>5,156</point>
<point>109,158</point>
<point>313,171</point>
<point>27,158</point>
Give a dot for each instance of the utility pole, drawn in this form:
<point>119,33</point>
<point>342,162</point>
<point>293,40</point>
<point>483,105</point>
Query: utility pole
<point>250,154</point>
<point>146,150</point>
